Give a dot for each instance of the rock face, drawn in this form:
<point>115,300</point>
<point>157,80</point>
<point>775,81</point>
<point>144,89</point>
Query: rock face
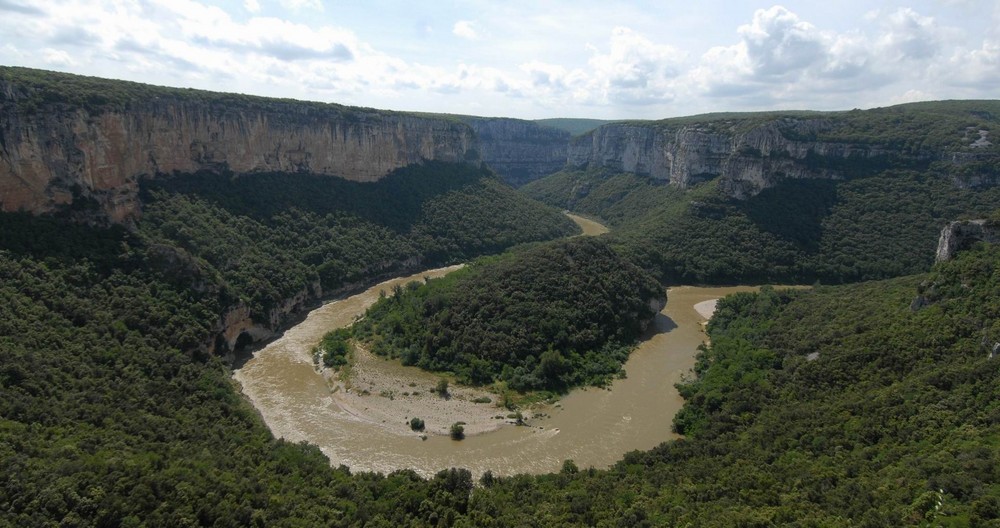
<point>957,236</point>
<point>520,151</point>
<point>59,150</point>
<point>747,161</point>
<point>746,156</point>
<point>52,157</point>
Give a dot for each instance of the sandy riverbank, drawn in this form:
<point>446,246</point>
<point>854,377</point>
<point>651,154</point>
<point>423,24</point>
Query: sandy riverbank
<point>706,308</point>
<point>385,393</point>
<point>588,226</point>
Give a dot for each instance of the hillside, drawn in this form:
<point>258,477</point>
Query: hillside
<point>72,142</point>
<point>575,126</point>
<point>831,407</point>
<point>114,341</point>
<point>548,317</point>
<point>834,406</point>
<point>878,226</point>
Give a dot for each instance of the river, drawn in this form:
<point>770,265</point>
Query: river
<point>593,427</point>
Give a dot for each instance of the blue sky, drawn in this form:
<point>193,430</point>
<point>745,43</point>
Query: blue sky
<point>609,60</point>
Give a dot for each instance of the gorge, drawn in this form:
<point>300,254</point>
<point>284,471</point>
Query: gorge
<point>149,236</point>
<point>67,138</point>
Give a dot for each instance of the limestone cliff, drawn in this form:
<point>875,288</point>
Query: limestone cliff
<point>520,151</point>
<point>957,236</point>
<point>751,153</point>
<point>60,152</point>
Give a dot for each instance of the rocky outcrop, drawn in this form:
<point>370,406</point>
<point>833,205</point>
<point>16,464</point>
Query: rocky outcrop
<point>66,153</point>
<point>239,326</point>
<point>957,236</point>
<point>520,151</point>
<point>747,156</point>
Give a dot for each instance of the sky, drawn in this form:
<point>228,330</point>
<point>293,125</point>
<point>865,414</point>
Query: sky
<point>527,59</point>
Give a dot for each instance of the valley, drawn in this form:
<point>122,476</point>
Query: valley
<point>169,258</point>
<point>594,427</point>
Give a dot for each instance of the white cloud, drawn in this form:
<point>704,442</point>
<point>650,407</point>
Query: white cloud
<point>771,58</point>
<point>911,96</point>
<point>297,5</point>
<point>909,36</point>
<point>778,43</point>
<point>465,29</point>
<point>54,57</point>
<point>977,68</point>
<point>782,59</point>
<point>635,69</point>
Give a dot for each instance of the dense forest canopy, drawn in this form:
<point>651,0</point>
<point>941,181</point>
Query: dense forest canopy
<point>801,231</point>
<point>909,128</point>
<point>805,406</point>
<point>548,317</point>
<point>112,413</point>
<point>45,90</point>
<point>268,237</point>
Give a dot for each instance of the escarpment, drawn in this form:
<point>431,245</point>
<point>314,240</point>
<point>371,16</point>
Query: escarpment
<point>59,153</point>
<point>750,153</point>
<point>960,235</point>
<point>76,142</point>
<point>520,151</point>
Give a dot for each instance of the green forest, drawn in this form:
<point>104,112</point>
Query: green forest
<point>905,129</point>
<point>800,231</point>
<point>263,238</point>
<point>548,317</point>
<point>833,406</point>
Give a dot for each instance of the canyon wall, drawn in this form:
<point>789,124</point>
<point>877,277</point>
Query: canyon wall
<point>520,151</point>
<point>749,155</point>
<point>77,142</point>
<point>65,153</point>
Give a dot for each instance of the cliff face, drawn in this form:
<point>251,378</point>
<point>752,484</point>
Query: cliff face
<point>957,236</point>
<point>520,151</point>
<point>49,157</point>
<point>746,158</point>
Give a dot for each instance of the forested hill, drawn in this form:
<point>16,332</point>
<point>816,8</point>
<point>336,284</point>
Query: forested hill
<point>837,406</point>
<point>549,317</point>
<point>882,225</point>
<point>116,408</point>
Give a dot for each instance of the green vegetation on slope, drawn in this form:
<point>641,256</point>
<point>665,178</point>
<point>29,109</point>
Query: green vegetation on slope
<point>106,419</point>
<point>111,412</point>
<point>549,317</point>
<point>832,407</point>
<point>271,236</point>
<point>574,126</point>
<point>907,129</point>
<point>47,90</point>
<point>875,227</point>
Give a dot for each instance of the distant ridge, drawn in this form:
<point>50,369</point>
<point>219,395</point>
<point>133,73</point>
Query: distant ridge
<point>573,125</point>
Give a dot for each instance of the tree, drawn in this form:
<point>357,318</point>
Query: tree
<point>442,388</point>
<point>416,424</point>
<point>457,431</point>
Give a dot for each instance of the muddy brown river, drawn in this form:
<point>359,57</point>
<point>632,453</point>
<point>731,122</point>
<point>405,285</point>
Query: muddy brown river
<point>593,427</point>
